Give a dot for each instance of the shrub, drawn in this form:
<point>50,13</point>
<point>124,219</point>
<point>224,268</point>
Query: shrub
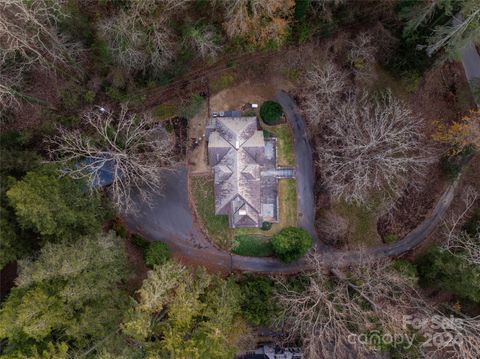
<point>290,244</point>
<point>267,134</point>
<point>405,268</point>
<point>71,98</point>
<point>266,226</point>
<point>156,253</point>
<point>115,94</point>
<point>390,238</point>
<point>257,303</point>
<point>120,229</point>
<point>139,241</point>
<point>271,112</point>
<point>89,97</point>
<point>164,111</point>
<point>452,165</point>
<point>301,9</point>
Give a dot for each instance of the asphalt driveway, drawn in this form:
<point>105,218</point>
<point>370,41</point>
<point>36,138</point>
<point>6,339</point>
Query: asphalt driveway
<point>170,216</point>
<point>170,219</point>
<point>303,166</point>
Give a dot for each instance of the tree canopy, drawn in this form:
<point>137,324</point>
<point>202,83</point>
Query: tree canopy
<point>457,23</point>
<point>186,314</point>
<point>271,112</point>
<point>290,244</point>
<point>441,269</point>
<point>70,292</point>
<point>53,206</point>
<point>156,253</point>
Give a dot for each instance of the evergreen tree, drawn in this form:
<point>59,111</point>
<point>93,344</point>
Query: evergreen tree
<point>69,293</point>
<point>53,206</point>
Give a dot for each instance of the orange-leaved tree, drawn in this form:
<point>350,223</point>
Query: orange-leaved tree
<point>461,133</point>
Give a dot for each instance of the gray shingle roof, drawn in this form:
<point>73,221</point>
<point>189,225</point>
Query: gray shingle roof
<point>236,149</point>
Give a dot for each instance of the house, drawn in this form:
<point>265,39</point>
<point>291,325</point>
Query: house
<point>243,163</point>
<point>269,352</point>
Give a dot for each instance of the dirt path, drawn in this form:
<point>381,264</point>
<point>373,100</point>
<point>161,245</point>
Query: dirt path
<point>196,79</point>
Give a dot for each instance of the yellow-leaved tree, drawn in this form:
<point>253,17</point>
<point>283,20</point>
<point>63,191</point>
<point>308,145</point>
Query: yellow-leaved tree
<point>461,133</point>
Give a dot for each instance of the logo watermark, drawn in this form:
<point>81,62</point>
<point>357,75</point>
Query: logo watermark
<point>433,332</point>
<point>377,339</point>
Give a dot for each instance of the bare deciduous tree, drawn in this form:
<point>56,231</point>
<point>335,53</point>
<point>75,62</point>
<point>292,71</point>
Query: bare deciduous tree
<point>361,55</point>
<point>28,30</point>
<point>259,21</point>
<point>138,41</point>
<point>171,5</point>
<point>204,40</point>
<point>9,82</point>
<point>371,144</point>
<point>324,86</point>
<point>325,8</point>
<point>28,37</point>
<point>333,227</point>
<point>335,307</point>
<point>370,297</point>
<point>460,333</point>
<point>130,149</point>
<point>458,241</point>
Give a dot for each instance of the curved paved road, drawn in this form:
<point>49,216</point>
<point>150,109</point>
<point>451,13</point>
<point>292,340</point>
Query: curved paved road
<point>170,220</point>
<point>150,223</point>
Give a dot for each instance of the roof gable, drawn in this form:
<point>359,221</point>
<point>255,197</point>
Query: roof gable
<point>236,130</point>
<point>237,173</point>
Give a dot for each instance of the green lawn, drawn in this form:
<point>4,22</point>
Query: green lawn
<point>204,200</point>
<point>252,246</point>
<point>285,150</point>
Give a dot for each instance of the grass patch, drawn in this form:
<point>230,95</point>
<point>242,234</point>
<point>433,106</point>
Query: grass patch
<point>222,82</point>
<point>252,246</point>
<point>204,201</point>
<point>362,222</point>
<point>391,238</point>
<point>285,150</point>
<point>192,107</point>
<point>287,200</point>
<point>164,111</point>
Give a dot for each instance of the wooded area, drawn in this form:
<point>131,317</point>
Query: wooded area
<point>391,120</point>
